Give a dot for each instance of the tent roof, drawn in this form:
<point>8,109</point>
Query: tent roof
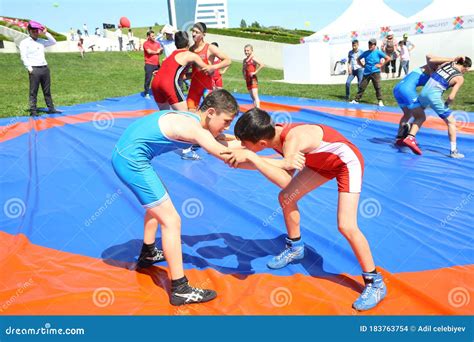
<point>360,16</point>
<point>441,9</point>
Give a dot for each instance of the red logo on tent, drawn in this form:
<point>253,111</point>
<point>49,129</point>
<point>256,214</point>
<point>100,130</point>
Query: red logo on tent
<point>458,23</point>
<point>326,38</point>
<point>384,30</point>
<point>354,34</point>
<point>419,27</point>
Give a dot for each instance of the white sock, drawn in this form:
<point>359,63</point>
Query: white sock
<point>453,146</point>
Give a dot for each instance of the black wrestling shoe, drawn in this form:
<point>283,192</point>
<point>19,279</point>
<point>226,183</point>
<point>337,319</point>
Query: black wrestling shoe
<point>186,294</point>
<point>146,259</point>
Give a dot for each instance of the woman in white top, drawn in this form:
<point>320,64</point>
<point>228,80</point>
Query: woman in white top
<point>404,53</point>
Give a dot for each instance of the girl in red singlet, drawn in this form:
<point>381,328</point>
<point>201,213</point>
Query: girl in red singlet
<point>200,79</point>
<point>250,67</point>
<point>165,85</point>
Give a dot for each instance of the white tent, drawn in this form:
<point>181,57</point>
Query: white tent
<point>440,9</point>
<point>362,14</point>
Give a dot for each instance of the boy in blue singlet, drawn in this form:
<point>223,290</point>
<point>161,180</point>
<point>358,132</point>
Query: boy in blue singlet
<point>152,136</point>
<point>447,76</point>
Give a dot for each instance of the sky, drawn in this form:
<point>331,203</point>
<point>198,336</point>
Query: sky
<point>313,15</point>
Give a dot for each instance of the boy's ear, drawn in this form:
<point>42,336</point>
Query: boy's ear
<point>263,143</point>
<point>210,112</point>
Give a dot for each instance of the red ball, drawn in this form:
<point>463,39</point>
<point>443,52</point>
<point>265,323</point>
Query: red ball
<point>124,22</point>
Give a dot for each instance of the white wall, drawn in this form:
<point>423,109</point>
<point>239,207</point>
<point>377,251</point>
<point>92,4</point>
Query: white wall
<point>314,62</point>
<point>9,47</point>
<point>270,53</point>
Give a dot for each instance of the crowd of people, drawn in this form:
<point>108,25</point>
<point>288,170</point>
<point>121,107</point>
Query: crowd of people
<point>312,154</point>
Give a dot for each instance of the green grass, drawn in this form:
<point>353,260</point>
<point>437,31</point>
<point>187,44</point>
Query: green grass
<point>111,74</point>
<point>273,34</point>
<point>5,38</point>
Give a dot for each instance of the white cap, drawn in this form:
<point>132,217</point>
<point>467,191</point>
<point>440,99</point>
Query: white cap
<point>390,33</point>
<point>168,29</point>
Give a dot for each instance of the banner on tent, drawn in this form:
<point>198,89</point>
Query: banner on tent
<point>421,27</point>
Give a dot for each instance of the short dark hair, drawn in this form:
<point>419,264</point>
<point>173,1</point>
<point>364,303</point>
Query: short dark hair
<point>149,32</point>
<point>181,39</point>
<point>215,44</point>
<point>465,62</point>
<point>200,26</point>
<point>220,100</point>
<point>355,41</point>
<point>254,125</point>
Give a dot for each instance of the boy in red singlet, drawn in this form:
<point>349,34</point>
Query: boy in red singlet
<point>250,67</point>
<point>217,78</point>
<point>201,80</point>
<point>165,85</point>
<point>321,154</point>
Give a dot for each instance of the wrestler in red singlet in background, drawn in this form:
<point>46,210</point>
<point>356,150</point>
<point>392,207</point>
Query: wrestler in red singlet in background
<point>250,67</point>
<point>201,80</point>
<point>165,85</point>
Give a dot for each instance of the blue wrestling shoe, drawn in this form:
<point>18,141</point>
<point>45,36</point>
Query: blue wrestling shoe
<point>190,154</point>
<point>294,251</point>
<point>374,291</point>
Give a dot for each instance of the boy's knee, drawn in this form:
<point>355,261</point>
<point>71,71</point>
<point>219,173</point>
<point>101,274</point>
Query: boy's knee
<point>286,198</point>
<point>173,220</point>
<point>348,230</point>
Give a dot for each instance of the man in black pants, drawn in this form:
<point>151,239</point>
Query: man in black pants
<point>32,55</point>
<point>152,50</point>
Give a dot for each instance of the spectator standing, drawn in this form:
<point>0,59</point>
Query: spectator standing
<point>119,37</point>
<point>166,39</point>
<point>151,50</point>
<point>32,55</point>
<point>86,33</point>
<point>353,68</point>
<point>131,40</point>
<point>410,47</point>
<point>404,58</point>
<point>80,45</point>
<point>390,49</point>
<point>372,65</point>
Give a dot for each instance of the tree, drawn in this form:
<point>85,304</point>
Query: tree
<point>243,24</point>
<point>255,24</point>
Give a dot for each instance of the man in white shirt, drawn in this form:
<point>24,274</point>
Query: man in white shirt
<point>166,39</point>
<point>32,55</point>
<point>119,36</point>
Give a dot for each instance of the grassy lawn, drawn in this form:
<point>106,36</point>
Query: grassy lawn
<point>112,74</point>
